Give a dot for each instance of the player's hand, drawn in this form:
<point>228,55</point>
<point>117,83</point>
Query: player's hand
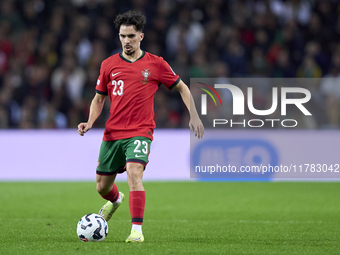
<point>196,126</point>
<point>83,128</point>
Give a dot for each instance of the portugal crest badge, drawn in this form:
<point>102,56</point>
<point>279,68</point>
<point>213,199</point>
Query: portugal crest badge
<point>146,74</point>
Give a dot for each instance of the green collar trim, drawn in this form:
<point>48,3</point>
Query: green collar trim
<point>129,61</point>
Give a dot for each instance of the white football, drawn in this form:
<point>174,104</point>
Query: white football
<point>92,228</point>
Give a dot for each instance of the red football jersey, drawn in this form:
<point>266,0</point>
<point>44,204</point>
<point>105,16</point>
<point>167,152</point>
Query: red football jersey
<point>131,87</point>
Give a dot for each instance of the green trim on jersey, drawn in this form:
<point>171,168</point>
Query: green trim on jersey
<point>101,92</point>
<point>114,155</point>
<point>174,84</point>
<point>125,59</point>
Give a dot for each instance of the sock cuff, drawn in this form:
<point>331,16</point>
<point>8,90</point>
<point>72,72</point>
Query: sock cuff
<point>137,192</point>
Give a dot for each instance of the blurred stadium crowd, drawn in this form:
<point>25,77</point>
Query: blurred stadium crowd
<point>51,51</point>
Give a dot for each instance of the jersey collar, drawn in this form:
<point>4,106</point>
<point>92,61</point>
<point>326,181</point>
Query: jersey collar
<point>125,59</point>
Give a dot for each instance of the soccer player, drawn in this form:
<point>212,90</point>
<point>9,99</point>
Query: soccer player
<point>130,79</point>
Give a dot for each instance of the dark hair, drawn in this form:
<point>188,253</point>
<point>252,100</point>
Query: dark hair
<point>131,18</point>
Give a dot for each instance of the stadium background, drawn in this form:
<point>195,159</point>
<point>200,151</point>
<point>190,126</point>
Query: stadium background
<point>50,53</point>
<point>50,56</point>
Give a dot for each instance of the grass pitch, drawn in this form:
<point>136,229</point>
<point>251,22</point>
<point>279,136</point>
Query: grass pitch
<point>180,218</point>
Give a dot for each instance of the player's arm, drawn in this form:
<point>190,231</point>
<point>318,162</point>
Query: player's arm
<point>195,123</point>
<point>95,110</point>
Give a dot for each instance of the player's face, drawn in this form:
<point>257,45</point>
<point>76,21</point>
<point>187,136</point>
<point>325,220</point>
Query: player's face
<point>130,39</point>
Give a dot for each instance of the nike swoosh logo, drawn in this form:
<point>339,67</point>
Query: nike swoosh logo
<point>139,156</point>
<point>114,74</point>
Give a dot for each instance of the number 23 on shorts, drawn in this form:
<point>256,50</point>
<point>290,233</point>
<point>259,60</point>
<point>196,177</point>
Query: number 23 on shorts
<point>141,148</point>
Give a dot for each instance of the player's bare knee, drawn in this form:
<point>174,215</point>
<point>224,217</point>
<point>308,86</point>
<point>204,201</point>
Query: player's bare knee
<point>135,184</point>
<point>135,175</point>
<point>135,172</point>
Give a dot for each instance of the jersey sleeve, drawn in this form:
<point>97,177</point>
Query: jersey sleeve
<point>166,75</point>
<point>101,87</point>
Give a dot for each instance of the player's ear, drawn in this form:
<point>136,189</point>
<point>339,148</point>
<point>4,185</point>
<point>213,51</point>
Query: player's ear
<point>141,37</point>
